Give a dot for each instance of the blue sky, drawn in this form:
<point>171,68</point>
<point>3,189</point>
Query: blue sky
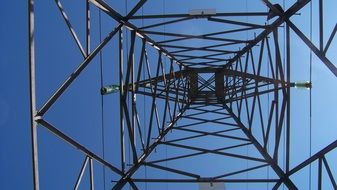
<point>78,112</point>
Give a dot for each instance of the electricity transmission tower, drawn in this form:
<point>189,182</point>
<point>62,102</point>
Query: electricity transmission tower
<point>218,113</point>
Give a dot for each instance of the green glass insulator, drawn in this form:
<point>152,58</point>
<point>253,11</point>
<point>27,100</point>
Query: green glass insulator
<point>306,84</point>
<point>110,89</point>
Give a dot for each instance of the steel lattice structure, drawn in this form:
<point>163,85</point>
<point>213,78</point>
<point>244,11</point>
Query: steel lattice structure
<point>188,91</point>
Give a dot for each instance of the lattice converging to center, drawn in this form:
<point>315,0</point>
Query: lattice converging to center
<point>200,99</point>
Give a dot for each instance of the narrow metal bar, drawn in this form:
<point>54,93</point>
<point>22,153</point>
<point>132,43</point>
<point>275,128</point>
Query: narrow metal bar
<point>121,94</point>
<point>327,167</point>
<point>140,65</point>
<point>319,176</point>
<point>276,97</point>
<point>321,23</point>
<point>130,122</point>
<point>135,9</point>
<point>88,42</point>
<point>165,23</point>
<point>193,48</point>
<point>133,94</point>
<point>166,99</point>
<point>32,93</point>
<point>280,126</point>
<point>288,123</point>
<point>278,60</point>
<point>172,170</point>
<point>108,10</point>
<point>270,59</point>
<point>277,185</point>
<point>271,113</point>
<point>236,22</point>
<point>71,29</point>
<point>139,129</point>
<point>129,65</point>
<point>79,178</point>
<point>330,39</point>
<point>133,185</point>
<point>199,16</point>
<point>241,171</point>
<point>77,145</point>
<point>130,131</point>
<point>205,180</point>
<point>153,104</point>
<point>91,170</point>
<point>171,72</point>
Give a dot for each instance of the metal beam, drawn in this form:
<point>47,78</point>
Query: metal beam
<point>200,16</point>
<point>32,93</point>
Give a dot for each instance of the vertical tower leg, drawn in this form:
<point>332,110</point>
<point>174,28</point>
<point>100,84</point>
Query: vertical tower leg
<point>33,122</point>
